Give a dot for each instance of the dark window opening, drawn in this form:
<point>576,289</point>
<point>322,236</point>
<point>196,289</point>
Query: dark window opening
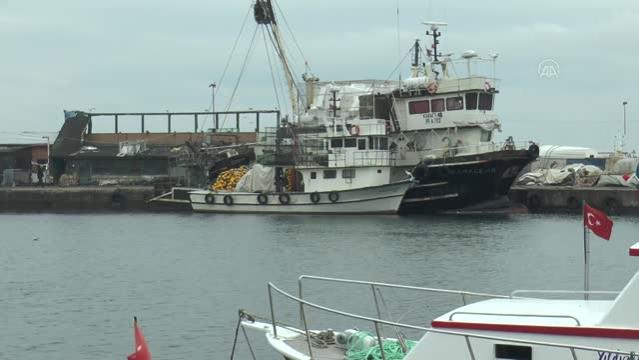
<point>513,352</point>
<point>350,143</point>
<point>348,173</point>
<point>471,101</point>
<point>379,171</point>
<point>371,143</point>
<point>486,135</point>
<point>336,143</point>
<point>437,105</point>
<point>330,174</point>
<point>383,143</point>
<point>485,101</point>
<point>361,144</point>
<point>454,103</point>
<point>419,107</point>
<point>313,175</point>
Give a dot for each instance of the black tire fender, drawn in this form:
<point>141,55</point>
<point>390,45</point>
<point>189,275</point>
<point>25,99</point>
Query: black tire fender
<point>284,199</point>
<point>315,197</point>
<point>333,196</point>
<point>228,200</point>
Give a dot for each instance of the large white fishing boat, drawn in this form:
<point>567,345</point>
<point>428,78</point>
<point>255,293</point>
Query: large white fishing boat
<point>524,325</point>
<point>438,123</point>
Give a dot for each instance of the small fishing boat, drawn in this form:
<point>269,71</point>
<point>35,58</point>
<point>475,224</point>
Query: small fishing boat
<point>316,170</point>
<point>524,325</point>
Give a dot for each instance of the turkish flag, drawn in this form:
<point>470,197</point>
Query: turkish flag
<point>141,350</point>
<point>597,221</point>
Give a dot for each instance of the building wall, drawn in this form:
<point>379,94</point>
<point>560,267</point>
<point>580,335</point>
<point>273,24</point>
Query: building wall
<point>39,153</point>
<point>173,138</point>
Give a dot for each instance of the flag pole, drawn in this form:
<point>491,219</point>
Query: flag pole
<point>586,251</point>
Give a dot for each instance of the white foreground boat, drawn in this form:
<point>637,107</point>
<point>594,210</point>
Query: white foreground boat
<point>383,199</point>
<point>524,325</point>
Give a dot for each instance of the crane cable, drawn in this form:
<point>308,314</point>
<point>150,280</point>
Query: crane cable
<point>239,78</point>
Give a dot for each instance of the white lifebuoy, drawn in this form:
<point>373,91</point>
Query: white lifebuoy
<point>354,130</point>
<point>487,85</point>
<point>432,87</point>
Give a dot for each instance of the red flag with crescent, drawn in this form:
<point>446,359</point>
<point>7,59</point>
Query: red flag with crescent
<point>597,221</point>
<point>141,349</point>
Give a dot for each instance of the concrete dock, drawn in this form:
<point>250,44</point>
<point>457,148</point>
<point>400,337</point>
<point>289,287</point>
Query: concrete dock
<point>127,198</point>
<point>612,200</point>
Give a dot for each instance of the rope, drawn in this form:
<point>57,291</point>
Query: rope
<point>237,39</point>
<point>292,34</point>
<point>358,349</point>
<point>239,78</point>
<point>270,65</point>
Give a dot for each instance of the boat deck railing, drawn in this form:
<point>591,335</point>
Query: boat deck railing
<point>378,322</point>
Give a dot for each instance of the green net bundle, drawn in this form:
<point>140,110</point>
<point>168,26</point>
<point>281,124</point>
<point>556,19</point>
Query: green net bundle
<point>363,346</point>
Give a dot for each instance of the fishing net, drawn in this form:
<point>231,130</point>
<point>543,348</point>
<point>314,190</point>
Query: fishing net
<point>363,345</point>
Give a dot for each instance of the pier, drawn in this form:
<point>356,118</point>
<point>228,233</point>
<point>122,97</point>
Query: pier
<point>76,198</point>
<point>612,200</point>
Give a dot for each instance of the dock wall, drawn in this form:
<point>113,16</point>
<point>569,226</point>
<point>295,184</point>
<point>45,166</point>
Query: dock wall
<point>612,200</point>
<point>121,198</point>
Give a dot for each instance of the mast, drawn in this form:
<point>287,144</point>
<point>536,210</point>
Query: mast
<point>434,32</point>
<point>415,65</point>
<point>264,15</point>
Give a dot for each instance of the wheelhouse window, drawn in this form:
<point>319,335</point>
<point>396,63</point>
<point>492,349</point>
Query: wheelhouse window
<point>437,105</point>
<point>348,173</point>
<point>313,175</point>
<point>419,107</point>
<point>383,143</point>
<point>485,101</point>
<point>336,143</point>
<point>471,101</point>
<point>486,135</point>
<point>454,103</point>
<point>330,174</point>
<point>513,352</point>
<point>350,143</point>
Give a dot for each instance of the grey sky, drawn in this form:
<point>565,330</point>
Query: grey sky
<point>161,55</point>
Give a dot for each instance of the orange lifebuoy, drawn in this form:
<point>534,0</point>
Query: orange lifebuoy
<point>354,130</point>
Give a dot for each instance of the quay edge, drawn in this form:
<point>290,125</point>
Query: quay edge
<point>612,200</point>
<point>99,198</point>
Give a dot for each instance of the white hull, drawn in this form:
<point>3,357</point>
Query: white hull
<point>383,199</point>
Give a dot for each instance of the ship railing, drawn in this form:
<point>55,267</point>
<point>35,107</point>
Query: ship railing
<point>460,150</point>
<point>518,293</point>
<point>360,158</point>
<point>378,322</point>
<point>344,128</point>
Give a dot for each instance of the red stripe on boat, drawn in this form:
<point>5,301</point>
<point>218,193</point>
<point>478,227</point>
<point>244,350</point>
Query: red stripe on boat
<point>634,251</point>
<point>541,329</point>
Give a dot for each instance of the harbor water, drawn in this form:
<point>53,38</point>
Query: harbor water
<point>70,284</point>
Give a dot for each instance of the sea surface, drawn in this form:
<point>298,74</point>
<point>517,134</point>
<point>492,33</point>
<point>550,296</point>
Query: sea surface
<point>70,284</point>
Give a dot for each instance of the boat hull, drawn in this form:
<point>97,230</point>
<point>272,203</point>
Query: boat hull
<point>465,181</point>
<point>383,199</point>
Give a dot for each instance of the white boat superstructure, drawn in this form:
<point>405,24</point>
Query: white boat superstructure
<point>525,325</point>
